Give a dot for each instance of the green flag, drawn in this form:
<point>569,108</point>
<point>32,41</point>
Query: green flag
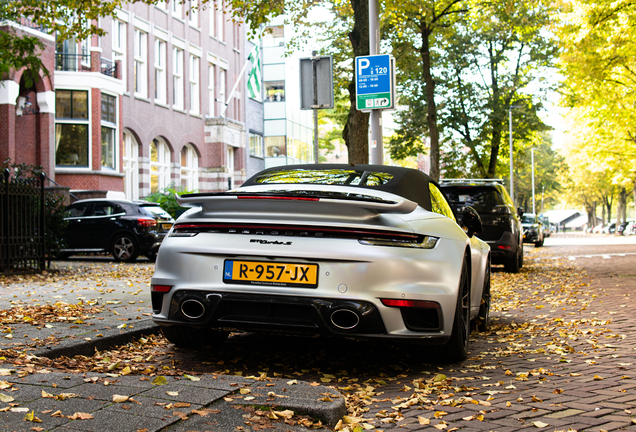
<point>254,80</point>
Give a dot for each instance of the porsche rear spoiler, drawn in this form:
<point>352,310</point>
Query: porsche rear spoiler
<point>267,204</point>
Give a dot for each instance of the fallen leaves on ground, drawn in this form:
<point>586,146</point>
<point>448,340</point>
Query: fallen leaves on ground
<point>542,313</point>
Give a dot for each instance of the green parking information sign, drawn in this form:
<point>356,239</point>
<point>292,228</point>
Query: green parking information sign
<point>374,82</point>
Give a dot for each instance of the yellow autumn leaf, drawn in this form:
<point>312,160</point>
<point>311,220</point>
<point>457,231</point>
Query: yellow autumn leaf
<point>540,424</point>
<point>423,420</point>
<point>120,398</point>
<point>31,417</point>
<point>160,380</point>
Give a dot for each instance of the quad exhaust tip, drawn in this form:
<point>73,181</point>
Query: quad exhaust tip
<point>345,319</point>
<point>192,308</point>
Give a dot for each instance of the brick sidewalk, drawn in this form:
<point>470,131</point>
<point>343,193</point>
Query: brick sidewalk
<point>560,358</point>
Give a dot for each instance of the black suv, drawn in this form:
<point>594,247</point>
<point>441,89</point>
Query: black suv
<point>501,221</point>
<point>124,228</point>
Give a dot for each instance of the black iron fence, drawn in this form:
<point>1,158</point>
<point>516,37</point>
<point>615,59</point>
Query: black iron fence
<point>22,236</point>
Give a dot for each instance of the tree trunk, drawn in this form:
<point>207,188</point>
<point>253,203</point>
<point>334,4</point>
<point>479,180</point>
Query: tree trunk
<point>431,107</point>
<point>356,131</point>
<point>622,207</point>
<point>496,118</point>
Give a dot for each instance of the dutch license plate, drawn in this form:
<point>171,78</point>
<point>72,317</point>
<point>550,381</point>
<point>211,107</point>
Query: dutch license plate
<point>271,273</point>
<point>166,226</point>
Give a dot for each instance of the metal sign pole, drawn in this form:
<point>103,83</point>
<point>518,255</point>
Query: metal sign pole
<point>377,148</point>
<point>314,65</point>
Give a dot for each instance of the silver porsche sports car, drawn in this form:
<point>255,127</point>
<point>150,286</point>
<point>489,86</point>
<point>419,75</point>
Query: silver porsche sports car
<point>363,251</point>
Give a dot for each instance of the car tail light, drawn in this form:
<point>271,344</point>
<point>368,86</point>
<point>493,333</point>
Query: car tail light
<point>504,247</point>
<point>421,242</point>
<point>410,303</point>
<point>147,222</point>
<point>369,237</point>
<point>161,288</point>
<point>270,197</point>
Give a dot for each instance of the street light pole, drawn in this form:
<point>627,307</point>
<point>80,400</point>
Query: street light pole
<point>532,159</point>
<point>377,147</point>
<point>512,187</point>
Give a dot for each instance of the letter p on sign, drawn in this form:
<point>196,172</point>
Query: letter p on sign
<point>363,64</point>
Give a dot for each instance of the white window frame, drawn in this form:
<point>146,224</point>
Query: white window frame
<point>212,19</point>
<point>131,166</point>
<point>177,9</point>
<point>119,48</point>
<point>211,88</point>
<point>193,13</point>
<point>220,21</point>
<point>222,86</point>
<point>189,171</point>
<point>230,167</point>
<point>114,128</point>
<point>160,167</point>
<point>87,123</point>
<point>161,84</point>
<point>195,104</point>
<point>141,63</point>
<point>177,78</point>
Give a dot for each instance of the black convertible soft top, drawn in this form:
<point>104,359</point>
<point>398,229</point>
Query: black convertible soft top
<point>405,182</point>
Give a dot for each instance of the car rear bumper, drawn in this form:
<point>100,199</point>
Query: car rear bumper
<point>503,249</point>
<point>291,314</point>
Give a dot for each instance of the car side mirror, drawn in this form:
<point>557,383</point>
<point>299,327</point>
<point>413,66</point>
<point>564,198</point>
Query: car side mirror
<point>471,220</point>
<point>520,211</point>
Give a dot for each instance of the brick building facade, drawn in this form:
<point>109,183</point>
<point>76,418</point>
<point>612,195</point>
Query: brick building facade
<point>137,110</point>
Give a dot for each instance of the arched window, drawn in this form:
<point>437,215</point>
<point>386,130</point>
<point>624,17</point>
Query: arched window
<point>189,168</point>
<point>131,166</point>
<point>159,165</point>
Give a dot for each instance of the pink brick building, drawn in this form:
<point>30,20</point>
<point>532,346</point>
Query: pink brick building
<point>138,109</point>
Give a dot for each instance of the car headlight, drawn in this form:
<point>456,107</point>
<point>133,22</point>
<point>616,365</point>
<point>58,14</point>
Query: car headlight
<point>423,242</point>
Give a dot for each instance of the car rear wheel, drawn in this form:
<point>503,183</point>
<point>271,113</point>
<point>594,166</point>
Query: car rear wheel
<point>515,262</point>
<point>190,337</point>
<point>456,348</point>
<point>124,248</point>
<point>539,243</point>
<point>483,319</point>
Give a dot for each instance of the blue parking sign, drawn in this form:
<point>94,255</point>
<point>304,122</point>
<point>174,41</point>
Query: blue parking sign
<point>374,82</point>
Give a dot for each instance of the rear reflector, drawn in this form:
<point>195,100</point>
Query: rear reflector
<point>161,288</point>
<point>410,303</point>
<point>504,247</point>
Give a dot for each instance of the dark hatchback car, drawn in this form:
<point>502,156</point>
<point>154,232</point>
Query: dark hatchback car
<point>126,229</point>
<point>500,220</point>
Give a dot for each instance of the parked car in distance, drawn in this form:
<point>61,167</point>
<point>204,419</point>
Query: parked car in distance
<point>622,227</point>
<point>547,230</point>
<point>532,229</point>
<point>609,228</point>
<point>355,251</point>
<point>124,228</point>
<point>501,221</point>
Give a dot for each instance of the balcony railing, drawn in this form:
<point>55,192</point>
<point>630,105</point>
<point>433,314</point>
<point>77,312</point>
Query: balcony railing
<point>82,63</point>
<point>109,68</point>
<point>72,62</point>
<point>26,22</point>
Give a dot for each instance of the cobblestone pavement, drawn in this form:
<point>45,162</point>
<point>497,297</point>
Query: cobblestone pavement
<point>570,367</point>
